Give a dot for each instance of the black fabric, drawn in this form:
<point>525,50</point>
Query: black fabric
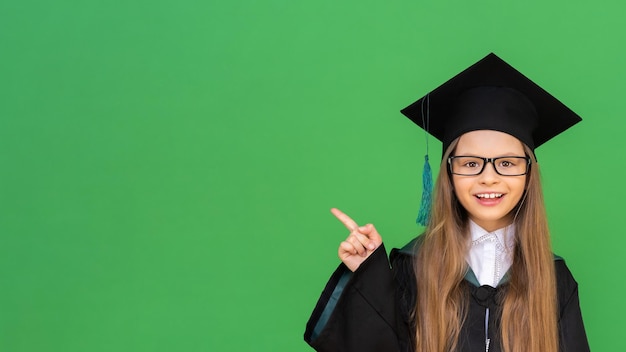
<point>373,313</point>
<point>365,316</point>
<point>492,108</point>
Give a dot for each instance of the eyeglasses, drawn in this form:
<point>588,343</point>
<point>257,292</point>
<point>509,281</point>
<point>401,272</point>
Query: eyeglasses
<point>474,165</point>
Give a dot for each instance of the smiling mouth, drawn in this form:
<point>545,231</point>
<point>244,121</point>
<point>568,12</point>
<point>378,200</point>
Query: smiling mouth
<point>489,195</point>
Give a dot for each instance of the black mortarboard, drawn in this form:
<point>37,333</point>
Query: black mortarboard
<point>491,95</point>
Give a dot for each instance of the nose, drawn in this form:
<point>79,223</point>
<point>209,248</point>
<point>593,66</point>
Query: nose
<point>489,174</point>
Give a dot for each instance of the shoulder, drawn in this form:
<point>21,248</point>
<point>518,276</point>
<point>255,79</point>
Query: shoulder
<point>562,271</point>
<point>566,285</point>
<point>410,248</point>
<point>403,259</point>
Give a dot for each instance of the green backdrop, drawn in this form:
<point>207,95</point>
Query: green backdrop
<point>167,166</point>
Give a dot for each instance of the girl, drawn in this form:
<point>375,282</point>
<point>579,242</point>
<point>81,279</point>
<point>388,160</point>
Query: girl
<point>482,276</point>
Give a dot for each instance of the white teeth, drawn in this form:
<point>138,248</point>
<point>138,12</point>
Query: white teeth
<point>489,195</point>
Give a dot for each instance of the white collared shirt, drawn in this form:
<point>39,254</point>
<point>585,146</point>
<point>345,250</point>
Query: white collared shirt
<point>490,253</point>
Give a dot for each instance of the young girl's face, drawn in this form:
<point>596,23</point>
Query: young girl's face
<point>489,198</point>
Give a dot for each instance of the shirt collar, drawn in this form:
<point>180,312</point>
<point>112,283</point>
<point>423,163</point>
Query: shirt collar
<point>505,235</point>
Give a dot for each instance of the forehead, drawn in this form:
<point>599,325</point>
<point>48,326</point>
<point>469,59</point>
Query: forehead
<point>489,143</point>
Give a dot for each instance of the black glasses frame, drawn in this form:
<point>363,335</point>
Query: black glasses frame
<point>489,160</point>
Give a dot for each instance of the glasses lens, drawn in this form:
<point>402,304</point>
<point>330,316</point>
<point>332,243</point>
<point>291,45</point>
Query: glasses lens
<point>466,165</point>
<point>507,166</point>
<point>511,165</point>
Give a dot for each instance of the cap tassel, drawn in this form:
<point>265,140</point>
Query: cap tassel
<point>427,190</point>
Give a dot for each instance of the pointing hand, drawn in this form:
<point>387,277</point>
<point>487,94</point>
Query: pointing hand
<point>362,241</point>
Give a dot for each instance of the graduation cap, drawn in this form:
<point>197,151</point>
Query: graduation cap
<point>489,95</point>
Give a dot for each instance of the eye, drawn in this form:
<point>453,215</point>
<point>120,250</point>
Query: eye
<point>507,163</point>
<point>466,165</point>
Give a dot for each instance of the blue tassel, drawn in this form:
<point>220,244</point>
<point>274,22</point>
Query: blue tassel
<point>427,190</point>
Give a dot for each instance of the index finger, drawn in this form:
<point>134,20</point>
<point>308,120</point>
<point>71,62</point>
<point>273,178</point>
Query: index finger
<point>345,219</point>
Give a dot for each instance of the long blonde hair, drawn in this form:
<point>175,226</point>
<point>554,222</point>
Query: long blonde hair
<point>529,313</point>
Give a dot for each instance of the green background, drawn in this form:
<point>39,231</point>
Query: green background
<point>167,166</point>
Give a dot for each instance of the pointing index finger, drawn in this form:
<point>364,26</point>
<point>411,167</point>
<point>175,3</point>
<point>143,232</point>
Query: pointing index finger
<point>345,219</point>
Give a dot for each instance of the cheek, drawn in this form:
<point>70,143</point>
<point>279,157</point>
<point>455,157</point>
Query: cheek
<point>523,183</point>
<point>461,187</point>
<point>519,187</point>
<point>459,182</point>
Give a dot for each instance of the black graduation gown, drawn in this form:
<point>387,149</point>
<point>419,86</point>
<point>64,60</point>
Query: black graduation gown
<point>368,310</point>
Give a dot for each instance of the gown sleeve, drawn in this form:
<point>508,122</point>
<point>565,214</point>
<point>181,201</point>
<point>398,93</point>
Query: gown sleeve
<point>363,316</point>
<point>571,329</point>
